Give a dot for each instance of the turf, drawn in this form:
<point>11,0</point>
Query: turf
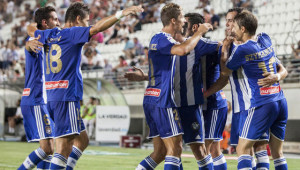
<point>12,154</point>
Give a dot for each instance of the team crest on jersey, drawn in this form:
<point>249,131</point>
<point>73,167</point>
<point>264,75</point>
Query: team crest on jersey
<point>61,84</point>
<point>269,90</point>
<point>152,92</point>
<point>48,129</point>
<point>26,92</point>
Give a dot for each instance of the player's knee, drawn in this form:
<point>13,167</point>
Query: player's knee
<point>49,150</point>
<point>277,154</point>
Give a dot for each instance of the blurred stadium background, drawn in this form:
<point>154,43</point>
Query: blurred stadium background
<point>105,59</point>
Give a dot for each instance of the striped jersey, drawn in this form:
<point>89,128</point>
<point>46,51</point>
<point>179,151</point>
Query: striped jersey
<point>251,59</point>
<point>160,90</point>
<point>34,92</point>
<point>188,81</point>
<point>62,63</point>
<point>210,74</point>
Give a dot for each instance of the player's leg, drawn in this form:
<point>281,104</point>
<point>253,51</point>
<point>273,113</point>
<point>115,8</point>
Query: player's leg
<point>156,157</point>
<point>193,125</point>
<point>159,153</point>
<point>38,127</point>
<point>47,146</point>
<point>277,136</point>
<point>261,154</point>
<point>174,149</point>
<point>67,127</point>
<point>81,142</point>
<point>215,121</point>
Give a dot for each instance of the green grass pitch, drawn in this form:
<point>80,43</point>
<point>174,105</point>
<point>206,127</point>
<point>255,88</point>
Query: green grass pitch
<point>12,154</point>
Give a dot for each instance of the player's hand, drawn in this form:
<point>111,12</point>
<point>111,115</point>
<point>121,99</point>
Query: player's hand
<point>269,80</point>
<point>203,28</point>
<point>132,10</point>
<point>34,44</point>
<point>227,41</point>
<point>137,75</point>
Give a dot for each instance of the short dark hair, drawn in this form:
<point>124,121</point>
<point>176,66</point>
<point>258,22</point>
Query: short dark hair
<point>236,9</point>
<point>76,9</point>
<point>194,18</point>
<point>168,12</point>
<point>41,14</point>
<point>248,20</point>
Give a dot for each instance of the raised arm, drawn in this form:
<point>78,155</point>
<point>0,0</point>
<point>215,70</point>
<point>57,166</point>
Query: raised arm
<point>31,28</point>
<point>188,45</point>
<point>107,22</point>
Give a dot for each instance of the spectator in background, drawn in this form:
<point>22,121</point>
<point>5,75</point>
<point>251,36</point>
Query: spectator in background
<point>96,60</point>
<point>296,51</point>
<point>138,47</point>
<point>207,16</point>
<point>90,116</point>
<point>99,37</point>
<point>16,119</point>
<point>144,60</point>
<point>87,62</point>
<point>122,63</point>
<point>107,69</point>
<point>123,32</point>
<point>129,47</point>
<point>215,19</point>
<point>2,23</point>
<point>114,37</point>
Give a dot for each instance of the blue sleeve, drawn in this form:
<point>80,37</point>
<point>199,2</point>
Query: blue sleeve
<point>44,35</point>
<point>80,35</point>
<point>219,54</point>
<point>206,46</point>
<point>236,59</point>
<point>165,45</point>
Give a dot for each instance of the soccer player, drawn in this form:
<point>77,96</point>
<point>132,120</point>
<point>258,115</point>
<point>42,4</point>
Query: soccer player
<point>240,99</point>
<point>37,122</point>
<point>185,65</point>
<point>63,76</point>
<point>267,104</point>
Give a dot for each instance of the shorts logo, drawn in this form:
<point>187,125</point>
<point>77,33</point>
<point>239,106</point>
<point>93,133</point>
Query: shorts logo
<point>48,129</point>
<point>152,92</point>
<point>26,92</point>
<point>61,84</point>
<point>269,90</point>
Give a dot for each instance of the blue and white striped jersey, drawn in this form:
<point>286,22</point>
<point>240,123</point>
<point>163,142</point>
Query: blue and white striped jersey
<point>188,80</point>
<point>251,59</point>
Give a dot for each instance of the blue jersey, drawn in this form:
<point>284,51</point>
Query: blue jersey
<point>34,92</point>
<point>188,82</point>
<point>160,90</point>
<point>255,58</point>
<point>63,74</point>
<point>210,74</point>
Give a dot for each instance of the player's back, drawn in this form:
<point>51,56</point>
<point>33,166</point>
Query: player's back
<point>256,58</point>
<point>160,90</point>
<point>62,64</point>
<point>34,92</point>
<point>188,81</point>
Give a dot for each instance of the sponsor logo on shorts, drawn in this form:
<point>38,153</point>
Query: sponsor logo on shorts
<point>269,90</point>
<point>61,84</point>
<point>152,92</point>
<point>26,92</point>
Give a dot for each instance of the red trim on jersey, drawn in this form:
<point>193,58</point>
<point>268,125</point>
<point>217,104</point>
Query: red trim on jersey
<point>26,92</point>
<point>61,84</point>
<point>152,92</point>
<point>269,90</point>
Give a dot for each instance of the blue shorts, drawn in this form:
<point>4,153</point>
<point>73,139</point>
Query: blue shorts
<point>163,122</point>
<point>37,123</point>
<point>66,117</point>
<point>260,119</point>
<point>192,123</point>
<point>238,120</point>
<point>214,122</point>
